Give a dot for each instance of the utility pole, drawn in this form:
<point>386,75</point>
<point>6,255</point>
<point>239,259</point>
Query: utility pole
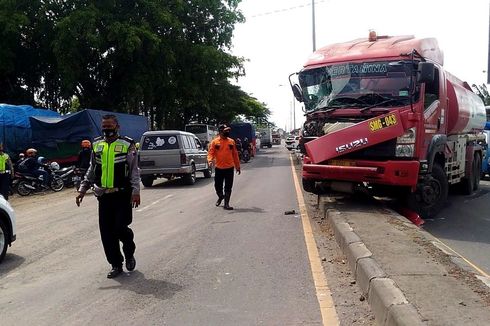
<point>313,24</point>
<point>488,67</point>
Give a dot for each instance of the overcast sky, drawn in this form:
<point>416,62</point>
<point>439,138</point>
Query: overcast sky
<point>277,38</point>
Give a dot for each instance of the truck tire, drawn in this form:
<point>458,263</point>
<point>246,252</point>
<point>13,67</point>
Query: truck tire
<point>309,186</point>
<point>468,182</point>
<point>190,179</point>
<point>4,236</point>
<point>269,145</point>
<point>477,172</point>
<point>147,180</point>
<point>431,195</point>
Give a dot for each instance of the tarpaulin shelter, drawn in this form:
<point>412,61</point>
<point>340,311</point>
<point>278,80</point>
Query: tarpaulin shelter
<point>59,139</point>
<point>15,127</point>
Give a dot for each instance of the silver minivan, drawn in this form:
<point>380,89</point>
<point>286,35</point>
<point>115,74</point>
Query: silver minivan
<point>172,153</point>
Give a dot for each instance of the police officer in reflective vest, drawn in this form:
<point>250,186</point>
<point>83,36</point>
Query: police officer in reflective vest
<point>6,169</point>
<point>115,177</point>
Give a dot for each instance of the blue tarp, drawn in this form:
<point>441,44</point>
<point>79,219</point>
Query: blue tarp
<point>60,138</point>
<point>15,127</point>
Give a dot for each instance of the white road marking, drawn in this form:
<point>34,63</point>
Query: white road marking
<point>154,203</point>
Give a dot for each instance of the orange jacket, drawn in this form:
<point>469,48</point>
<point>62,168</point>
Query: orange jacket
<point>224,153</point>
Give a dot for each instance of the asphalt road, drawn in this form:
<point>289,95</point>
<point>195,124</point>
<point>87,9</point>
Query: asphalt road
<point>196,264</point>
<point>464,225</point>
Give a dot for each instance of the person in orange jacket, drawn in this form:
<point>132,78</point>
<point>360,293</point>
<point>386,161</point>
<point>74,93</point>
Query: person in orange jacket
<point>224,155</point>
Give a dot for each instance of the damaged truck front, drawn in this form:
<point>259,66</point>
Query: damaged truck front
<point>384,116</point>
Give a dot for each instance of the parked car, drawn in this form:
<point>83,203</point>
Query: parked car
<point>7,226</point>
<point>172,153</point>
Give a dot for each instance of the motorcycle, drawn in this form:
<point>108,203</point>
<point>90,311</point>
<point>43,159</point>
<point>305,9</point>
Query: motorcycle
<point>29,183</point>
<point>68,176</point>
<point>244,155</point>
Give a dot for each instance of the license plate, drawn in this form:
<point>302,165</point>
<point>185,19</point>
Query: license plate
<point>341,163</point>
<point>384,122</point>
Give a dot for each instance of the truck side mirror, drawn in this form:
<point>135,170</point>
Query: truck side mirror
<point>425,72</point>
<point>298,93</point>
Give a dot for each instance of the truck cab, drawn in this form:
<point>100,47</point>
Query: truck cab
<point>384,116</point>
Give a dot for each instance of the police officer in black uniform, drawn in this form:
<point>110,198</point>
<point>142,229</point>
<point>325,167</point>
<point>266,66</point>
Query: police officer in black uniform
<point>115,177</point>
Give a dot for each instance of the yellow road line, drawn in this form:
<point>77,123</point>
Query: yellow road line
<point>478,269</point>
<point>323,294</point>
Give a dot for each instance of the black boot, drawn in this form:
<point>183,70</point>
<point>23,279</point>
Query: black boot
<point>220,199</point>
<point>227,203</point>
<point>115,271</point>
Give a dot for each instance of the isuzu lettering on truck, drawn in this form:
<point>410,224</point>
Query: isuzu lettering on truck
<point>384,116</point>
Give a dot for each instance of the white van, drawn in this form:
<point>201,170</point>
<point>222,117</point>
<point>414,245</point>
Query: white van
<point>172,153</point>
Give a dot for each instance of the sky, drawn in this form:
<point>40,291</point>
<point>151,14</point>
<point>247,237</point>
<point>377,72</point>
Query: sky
<point>276,39</point>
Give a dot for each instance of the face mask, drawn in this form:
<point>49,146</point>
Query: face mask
<point>109,132</point>
<point>226,133</point>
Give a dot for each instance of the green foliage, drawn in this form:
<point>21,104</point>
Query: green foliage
<point>168,59</point>
<point>482,91</point>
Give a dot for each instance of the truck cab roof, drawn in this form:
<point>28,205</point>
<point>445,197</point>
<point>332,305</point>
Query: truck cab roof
<point>382,47</point>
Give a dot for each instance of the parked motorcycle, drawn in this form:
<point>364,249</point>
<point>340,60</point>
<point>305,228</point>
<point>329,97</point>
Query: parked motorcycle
<point>68,176</point>
<point>29,184</point>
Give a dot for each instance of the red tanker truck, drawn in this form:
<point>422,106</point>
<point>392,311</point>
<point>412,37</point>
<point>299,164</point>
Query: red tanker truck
<point>383,116</point>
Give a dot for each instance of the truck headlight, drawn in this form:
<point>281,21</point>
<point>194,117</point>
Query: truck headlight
<point>405,150</point>
<point>405,144</point>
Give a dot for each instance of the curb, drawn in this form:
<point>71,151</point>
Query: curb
<point>390,306</point>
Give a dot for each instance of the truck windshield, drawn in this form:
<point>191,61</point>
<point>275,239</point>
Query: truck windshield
<point>359,84</point>
<point>196,129</point>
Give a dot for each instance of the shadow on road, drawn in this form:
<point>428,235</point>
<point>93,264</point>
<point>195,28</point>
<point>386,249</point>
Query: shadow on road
<point>247,210</point>
<point>10,262</point>
<point>465,218</point>
<point>138,283</point>
<point>179,184</point>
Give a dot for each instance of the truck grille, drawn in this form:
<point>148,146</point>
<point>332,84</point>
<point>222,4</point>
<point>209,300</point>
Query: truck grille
<point>382,151</point>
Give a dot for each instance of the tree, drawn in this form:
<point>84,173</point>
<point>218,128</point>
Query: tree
<point>482,91</point>
<point>169,59</point>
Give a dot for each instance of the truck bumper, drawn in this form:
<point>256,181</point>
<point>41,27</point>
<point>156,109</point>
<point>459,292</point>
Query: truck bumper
<point>396,173</point>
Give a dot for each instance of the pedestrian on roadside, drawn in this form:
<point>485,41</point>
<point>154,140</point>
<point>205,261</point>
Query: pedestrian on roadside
<point>115,177</point>
<point>224,155</point>
<point>6,171</point>
<point>83,161</point>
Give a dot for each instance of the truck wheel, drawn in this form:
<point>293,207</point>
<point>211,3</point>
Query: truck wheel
<point>468,182</point>
<point>190,179</point>
<point>269,145</point>
<point>431,194</point>
<point>477,172</point>
<point>309,185</point>
<point>147,180</point>
<point>4,235</point>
